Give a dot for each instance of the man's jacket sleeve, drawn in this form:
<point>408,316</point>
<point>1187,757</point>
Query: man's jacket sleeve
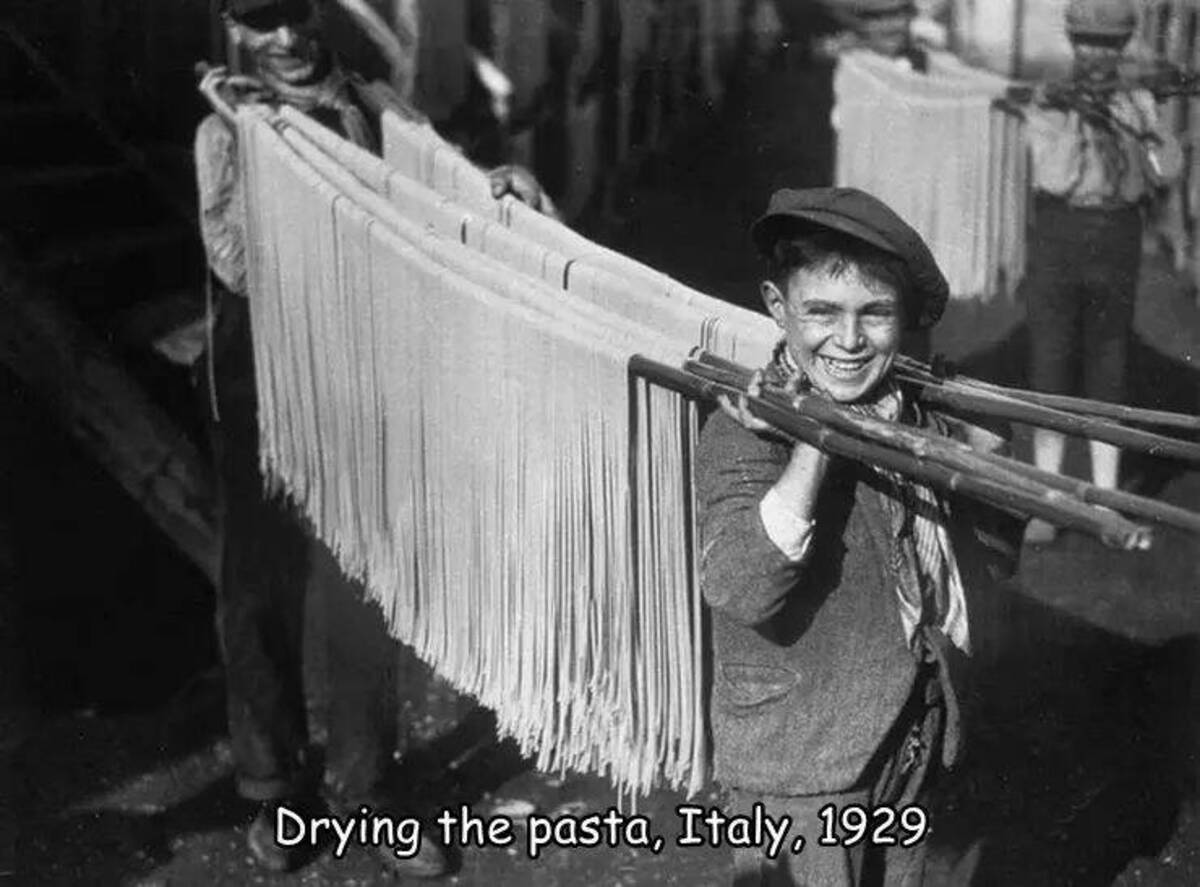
<point>222,210</point>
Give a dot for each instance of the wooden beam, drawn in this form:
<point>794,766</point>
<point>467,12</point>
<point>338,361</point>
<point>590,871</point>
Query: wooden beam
<point>105,410</point>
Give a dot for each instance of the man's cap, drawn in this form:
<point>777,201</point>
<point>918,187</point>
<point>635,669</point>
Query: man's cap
<point>872,8</point>
<point>1101,18</point>
<point>863,217</point>
<point>267,12</point>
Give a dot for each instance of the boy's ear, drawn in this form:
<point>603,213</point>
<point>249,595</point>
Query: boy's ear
<point>773,299</point>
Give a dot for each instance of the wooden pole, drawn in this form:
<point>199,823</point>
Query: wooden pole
<point>921,443</point>
<point>1017,410</point>
<point>960,456</point>
<point>1112,529</point>
<point>110,417</point>
<point>1119,500</point>
<point>919,372</point>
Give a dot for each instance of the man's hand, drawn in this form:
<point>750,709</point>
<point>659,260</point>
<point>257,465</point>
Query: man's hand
<point>185,345</point>
<point>521,184</point>
<point>210,88</point>
<point>225,91</point>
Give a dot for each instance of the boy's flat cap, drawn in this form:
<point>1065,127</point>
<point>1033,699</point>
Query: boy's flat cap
<point>863,217</point>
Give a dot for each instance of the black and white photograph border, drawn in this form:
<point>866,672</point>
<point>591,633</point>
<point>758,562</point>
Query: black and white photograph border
<point>288,596</point>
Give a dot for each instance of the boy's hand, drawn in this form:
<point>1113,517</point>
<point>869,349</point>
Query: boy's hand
<point>739,409</point>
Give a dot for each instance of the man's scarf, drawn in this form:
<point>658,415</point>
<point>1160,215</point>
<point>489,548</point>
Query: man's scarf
<point>329,101</point>
<point>915,510</point>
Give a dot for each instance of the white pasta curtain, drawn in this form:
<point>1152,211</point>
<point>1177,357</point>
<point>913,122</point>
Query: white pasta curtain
<point>447,398</point>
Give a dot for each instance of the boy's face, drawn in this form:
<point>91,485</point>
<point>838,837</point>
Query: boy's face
<point>887,34</point>
<point>285,48</point>
<point>843,331</point>
<point>1095,60</point>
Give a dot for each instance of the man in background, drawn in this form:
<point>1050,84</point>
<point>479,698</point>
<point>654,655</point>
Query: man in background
<point>272,563</point>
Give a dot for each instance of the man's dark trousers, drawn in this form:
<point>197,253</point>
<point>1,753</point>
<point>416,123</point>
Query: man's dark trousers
<point>271,567</point>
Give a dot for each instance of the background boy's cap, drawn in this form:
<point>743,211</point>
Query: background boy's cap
<point>1101,18</point>
<point>866,218</point>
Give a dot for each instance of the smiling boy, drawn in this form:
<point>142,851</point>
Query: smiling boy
<point>838,591</point>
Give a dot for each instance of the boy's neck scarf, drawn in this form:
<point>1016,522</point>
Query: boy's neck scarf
<point>915,511</point>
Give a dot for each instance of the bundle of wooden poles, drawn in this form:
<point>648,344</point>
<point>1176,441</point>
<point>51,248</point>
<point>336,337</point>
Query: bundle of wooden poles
<point>1118,518</point>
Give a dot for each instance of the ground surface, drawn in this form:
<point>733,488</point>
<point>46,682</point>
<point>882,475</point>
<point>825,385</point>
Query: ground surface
<point>1085,740</point>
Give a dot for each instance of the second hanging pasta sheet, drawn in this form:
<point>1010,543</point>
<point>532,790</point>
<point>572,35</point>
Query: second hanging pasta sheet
<point>932,147</point>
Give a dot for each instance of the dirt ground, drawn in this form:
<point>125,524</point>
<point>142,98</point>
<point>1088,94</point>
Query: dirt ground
<point>1085,737</point>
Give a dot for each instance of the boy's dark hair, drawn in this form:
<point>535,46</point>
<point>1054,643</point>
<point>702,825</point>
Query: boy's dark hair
<point>823,250</point>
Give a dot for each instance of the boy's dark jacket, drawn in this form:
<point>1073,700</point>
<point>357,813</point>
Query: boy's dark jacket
<point>811,668</point>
